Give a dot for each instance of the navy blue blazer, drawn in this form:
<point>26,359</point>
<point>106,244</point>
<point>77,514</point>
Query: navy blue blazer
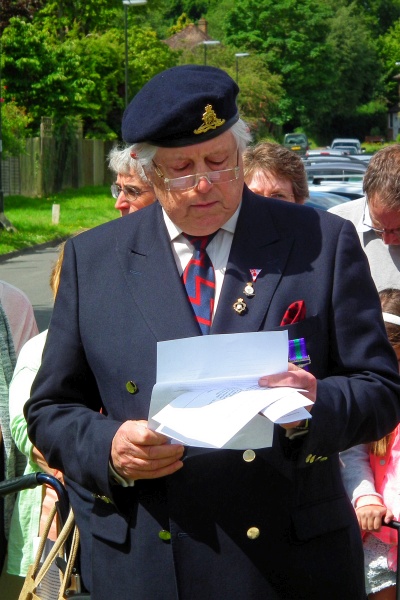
<point>278,527</point>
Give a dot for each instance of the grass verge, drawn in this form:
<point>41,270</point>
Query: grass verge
<point>32,217</point>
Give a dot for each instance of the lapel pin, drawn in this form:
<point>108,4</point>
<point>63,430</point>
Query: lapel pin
<point>249,290</point>
<point>240,306</point>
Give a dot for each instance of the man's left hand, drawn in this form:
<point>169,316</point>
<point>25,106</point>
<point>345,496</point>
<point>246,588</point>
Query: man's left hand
<point>294,377</point>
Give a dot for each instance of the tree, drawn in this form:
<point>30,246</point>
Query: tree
<point>14,122</point>
<point>43,76</point>
<point>87,16</point>
<point>389,52</point>
<point>291,35</point>
<point>380,14</point>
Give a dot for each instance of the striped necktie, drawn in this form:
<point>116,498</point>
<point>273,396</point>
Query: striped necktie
<point>199,280</point>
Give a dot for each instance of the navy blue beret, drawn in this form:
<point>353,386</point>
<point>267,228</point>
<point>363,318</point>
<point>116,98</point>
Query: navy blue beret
<point>182,106</point>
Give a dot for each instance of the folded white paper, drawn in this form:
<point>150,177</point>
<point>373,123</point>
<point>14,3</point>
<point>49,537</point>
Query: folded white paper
<point>207,391</point>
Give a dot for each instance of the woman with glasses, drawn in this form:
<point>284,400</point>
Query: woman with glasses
<point>131,189</point>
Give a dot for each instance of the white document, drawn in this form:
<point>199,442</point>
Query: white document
<point>207,391</point>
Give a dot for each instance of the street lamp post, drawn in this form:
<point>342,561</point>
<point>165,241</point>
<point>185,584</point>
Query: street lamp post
<point>127,3</point>
<point>237,56</point>
<point>207,43</point>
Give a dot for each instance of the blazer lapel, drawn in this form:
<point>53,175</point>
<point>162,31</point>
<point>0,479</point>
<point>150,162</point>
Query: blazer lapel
<point>257,244</point>
<point>155,284</point>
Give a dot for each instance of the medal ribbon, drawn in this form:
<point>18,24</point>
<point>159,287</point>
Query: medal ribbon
<point>254,274</point>
<point>298,353</point>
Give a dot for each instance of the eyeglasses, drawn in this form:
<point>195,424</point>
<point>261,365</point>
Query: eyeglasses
<point>380,232</point>
<point>189,182</point>
<point>131,193</point>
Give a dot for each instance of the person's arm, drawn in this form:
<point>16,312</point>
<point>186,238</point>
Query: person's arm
<point>65,413</point>
<point>20,387</point>
<point>358,479</point>
<point>357,392</point>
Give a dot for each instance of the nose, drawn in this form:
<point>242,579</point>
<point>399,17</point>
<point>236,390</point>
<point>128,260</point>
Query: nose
<point>390,239</point>
<point>121,201</point>
<point>204,184</point>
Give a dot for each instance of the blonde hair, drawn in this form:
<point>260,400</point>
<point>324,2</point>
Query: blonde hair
<point>56,269</point>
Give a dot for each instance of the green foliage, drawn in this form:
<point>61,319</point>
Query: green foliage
<point>87,15</point>
<point>147,57</point>
<point>43,76</point>
<point>389,52</point>
<point>183,22</point>
<point>291,35</point>
<point>380,14</point>
<point>313,63</point>
<point>356,60</point>
<point>14,122</point>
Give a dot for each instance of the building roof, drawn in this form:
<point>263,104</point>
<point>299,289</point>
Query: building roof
<point>188,38</point>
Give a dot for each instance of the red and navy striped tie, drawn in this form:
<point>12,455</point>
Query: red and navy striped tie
<point>199,280</point>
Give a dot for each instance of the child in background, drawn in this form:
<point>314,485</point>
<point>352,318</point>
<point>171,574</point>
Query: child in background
<point>371,475</point>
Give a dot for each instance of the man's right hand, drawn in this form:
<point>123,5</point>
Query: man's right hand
<point>139,453</point>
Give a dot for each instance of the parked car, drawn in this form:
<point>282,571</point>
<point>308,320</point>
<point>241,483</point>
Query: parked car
<point>350,190</point>
<point>334,158</point>
<point>335,170</point>
<point>324,200</point>
<point>346,143</point>
<point>324,152</point>
<point>298,142</point>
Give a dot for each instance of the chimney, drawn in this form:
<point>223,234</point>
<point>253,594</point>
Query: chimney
<point>202,25</point>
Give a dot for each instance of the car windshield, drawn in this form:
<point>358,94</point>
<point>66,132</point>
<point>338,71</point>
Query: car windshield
<point>295,139</point>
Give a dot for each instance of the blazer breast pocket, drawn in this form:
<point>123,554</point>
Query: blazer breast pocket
<point>308,328</point>
<point>303,340</point>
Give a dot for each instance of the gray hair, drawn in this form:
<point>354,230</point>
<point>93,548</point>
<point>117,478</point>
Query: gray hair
<point>146,152</point>
<point>121,162</point>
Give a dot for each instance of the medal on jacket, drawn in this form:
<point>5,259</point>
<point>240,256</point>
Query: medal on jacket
<point>249,290</point>
<point>240,306</point>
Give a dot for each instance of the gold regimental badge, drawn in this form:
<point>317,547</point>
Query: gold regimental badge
<point>210,121</point>
<point>240,306</point>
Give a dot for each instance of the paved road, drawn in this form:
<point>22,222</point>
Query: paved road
<point>30,272</point>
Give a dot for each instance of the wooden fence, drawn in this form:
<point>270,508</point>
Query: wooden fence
<point>41,170</point>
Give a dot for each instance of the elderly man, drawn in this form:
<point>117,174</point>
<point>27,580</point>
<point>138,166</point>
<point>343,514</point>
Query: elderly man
<point>176,523</point>
<point>132,189</point>
<point>377,216</point>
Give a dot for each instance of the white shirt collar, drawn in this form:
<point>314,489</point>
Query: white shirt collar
<point>365,220</point>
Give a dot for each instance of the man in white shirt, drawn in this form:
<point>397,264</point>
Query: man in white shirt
<point>377,216</point>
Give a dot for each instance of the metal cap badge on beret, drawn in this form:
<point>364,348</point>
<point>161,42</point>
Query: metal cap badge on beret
<point>182,106</point>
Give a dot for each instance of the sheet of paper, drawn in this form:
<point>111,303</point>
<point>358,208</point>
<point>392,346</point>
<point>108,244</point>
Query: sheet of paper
<point>207,392</point>
<point>196,417</point>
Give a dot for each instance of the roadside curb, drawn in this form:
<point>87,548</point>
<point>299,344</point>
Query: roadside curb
<point>52,244</point>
